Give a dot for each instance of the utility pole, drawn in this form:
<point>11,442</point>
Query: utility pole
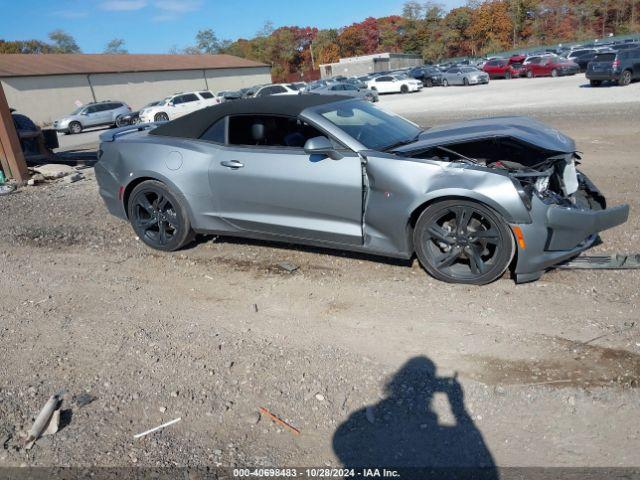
<point>11,156</point>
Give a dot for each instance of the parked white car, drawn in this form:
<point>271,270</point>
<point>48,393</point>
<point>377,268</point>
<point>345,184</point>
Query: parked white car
<point>276,89</point>
<point>394,84</point>
<point>177,105</point>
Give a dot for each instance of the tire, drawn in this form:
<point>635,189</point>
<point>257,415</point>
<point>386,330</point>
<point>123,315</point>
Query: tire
<point>158,217</point>
<point>404,89</point>
<point>507,76</point>
<point>625,78</point>
<point>554,73</point>
<point>119,121</point>
<point>75,128</point>
<point>428,83</point>
<point>465,81</point>
<point>529,74</point>
<point>445,82</point>
<point>595,83</point>
<point>161,117</point>
<point>460,255</point>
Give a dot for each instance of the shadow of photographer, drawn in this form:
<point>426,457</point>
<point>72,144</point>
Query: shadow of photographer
<point>403,431</point>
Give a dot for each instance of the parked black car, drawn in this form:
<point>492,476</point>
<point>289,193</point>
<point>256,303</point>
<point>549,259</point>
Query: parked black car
<point>429,76</point>
<point>583,60</point>
<point>621,67</point>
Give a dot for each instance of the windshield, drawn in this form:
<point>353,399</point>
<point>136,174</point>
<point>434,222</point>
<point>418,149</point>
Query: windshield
<point>77,110</point>
<point>372,127</point>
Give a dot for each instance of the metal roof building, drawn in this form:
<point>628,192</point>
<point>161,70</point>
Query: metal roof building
<point>48,86</point>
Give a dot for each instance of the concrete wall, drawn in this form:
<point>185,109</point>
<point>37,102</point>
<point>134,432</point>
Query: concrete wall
<point>46,98</point>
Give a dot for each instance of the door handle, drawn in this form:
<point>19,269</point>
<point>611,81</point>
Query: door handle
<point>234,164</point>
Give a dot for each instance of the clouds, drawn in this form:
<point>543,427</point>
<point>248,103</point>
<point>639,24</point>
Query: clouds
<point>164,9</point>
<point>123,5</point>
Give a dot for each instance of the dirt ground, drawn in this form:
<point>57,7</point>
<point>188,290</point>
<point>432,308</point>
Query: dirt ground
<point>369,358</point>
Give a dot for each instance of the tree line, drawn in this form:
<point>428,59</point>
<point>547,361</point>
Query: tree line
<point>426,28</point>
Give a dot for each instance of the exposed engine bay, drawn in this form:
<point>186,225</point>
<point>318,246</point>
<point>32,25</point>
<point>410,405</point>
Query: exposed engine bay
<point>552,176</point>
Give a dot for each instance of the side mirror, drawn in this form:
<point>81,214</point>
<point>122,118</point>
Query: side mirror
<point>321,146</point>
<point>171,104</point>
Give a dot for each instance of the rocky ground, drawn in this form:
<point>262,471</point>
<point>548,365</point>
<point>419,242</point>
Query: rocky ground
<point>349,349</point>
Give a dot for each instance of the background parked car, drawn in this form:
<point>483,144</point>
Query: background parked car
<point>464,76</point>
<point>551,66</point>
<point>275,89</point>
<point>133,118</point>
<point>91,115</point>
<point>346,89</point>
<point>178,105</point>
<point>428,75</point>
<point>621,67</point>
<point>394,84</point>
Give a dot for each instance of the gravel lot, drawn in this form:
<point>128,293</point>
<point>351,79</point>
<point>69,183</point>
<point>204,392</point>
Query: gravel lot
<point>367,357</point>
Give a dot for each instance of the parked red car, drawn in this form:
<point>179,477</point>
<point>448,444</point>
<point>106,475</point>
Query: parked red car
<point>503,68</point>
<point>551,66</point>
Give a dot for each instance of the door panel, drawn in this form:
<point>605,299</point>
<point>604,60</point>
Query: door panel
<point>273,190</point>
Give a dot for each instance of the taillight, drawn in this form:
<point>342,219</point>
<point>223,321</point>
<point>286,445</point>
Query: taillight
<point>616,63</point>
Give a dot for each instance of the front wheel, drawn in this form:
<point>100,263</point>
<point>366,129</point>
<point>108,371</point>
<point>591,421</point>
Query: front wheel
<point>161,117</point>
<point>507,76</point>
<point>158,217</point>
<point>554,73</point>
<point>75,128</point>
<point>428,83</point>
<point>404,89</point>
<point>529,74</point>
<point>445,83</point>
<point>465,82</point>
<point>459,241</point>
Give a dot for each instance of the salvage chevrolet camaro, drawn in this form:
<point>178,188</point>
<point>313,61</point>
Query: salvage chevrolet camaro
<point>470,199</point>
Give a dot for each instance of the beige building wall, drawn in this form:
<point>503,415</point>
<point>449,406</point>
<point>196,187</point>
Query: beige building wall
<point>46,98</point>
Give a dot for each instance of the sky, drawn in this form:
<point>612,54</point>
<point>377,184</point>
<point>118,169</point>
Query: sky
<point>157,26</point>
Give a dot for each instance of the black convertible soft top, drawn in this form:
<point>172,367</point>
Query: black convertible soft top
<point>195,124</point>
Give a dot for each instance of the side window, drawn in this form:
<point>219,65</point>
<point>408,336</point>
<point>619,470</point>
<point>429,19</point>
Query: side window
<point>270,131</point>
<point>206,94</point>
<point>278,89</point>
<point>91,109</point>
<point>190,97</point>
<point>264,92</point>
<point>178,100</point>
<point>216,132</point>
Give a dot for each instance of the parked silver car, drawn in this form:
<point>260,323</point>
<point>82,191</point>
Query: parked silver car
<point>469,200</point>
<point>92,115</point>
<point>347,90</point>
<point>464,76</point>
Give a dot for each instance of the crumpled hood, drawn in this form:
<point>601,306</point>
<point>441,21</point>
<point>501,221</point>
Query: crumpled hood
<point>523,128</point>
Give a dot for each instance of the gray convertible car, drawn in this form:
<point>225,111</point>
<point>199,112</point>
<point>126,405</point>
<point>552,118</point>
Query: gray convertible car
<point>470,200</point>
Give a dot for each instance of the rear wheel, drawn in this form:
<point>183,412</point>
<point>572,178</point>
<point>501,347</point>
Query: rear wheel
<point>460,241</point>
<point>554,73</point>
<point>625,78</point>
<point>161,117</point>
<point>404,89</point>
<point>465,82</point>
<point>75,127</point>
<point>119,121</point>
<point>445,83</point>
<point>158,217</point>
<point>595,83</point>
<point>529,74</point>
<point>507,75</point>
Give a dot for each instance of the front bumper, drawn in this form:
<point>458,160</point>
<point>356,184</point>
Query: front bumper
<point>558,233</point>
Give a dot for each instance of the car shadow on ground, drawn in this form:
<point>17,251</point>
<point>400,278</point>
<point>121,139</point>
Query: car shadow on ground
<point>403,431</point>
<point>202,239</point>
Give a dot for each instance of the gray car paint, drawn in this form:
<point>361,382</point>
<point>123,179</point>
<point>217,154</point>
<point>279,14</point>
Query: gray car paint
<point>363,202</point>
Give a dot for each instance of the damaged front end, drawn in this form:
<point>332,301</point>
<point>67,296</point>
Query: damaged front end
<point>567,210</point>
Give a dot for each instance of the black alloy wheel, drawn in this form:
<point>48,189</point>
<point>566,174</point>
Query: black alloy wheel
<point>460,241</point>
<point>158,217</point>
